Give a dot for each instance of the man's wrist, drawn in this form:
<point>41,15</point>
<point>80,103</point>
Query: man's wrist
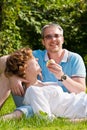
<point>63,77</point>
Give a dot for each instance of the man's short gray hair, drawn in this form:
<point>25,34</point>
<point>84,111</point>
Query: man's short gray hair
<point>51,25</point>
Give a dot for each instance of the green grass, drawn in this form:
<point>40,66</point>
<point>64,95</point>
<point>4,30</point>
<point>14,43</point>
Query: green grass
<point>36,123</point>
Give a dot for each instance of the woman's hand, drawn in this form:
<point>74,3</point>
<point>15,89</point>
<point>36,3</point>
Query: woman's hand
<point>15,84</point>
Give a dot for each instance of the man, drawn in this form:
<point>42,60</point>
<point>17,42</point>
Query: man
<point>68,71</point>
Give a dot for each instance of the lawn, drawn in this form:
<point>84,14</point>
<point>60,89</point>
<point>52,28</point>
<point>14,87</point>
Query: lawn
<point>36,123</point>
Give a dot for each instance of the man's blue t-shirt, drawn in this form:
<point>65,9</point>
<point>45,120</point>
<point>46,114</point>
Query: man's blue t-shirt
<point>72,65</point>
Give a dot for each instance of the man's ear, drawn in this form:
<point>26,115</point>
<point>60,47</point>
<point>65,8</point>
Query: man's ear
<point>63,40</point>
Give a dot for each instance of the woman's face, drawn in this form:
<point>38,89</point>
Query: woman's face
<point>33,69</point>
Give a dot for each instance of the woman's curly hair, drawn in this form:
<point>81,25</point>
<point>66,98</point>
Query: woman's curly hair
<point>16,62</point>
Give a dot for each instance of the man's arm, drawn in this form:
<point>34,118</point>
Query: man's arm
<point>73,84</point>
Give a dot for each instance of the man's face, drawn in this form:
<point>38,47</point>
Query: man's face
<point>53,39</point>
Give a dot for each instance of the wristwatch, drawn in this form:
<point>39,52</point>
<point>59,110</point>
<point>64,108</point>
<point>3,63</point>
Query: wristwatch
<point>63,77</point>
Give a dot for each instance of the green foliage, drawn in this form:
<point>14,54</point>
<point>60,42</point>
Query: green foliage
<point>10,38</point>
<point>22,20</point>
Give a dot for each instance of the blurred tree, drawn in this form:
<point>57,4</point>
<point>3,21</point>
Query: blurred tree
<point>22,21</point>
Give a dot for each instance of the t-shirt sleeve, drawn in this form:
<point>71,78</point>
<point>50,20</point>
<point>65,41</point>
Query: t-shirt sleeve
<point>78,66</point>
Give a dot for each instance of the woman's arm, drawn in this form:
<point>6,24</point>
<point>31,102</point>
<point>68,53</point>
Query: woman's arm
<point>15,83</point>
<point>4,89</point>
<point>3,63</point>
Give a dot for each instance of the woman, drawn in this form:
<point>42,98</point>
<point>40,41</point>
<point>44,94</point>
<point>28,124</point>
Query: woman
<point>17,64</point>
<point>43,97</point>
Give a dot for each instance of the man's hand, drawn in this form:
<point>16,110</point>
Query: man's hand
<point>16,87</point>
<point>56,70</point>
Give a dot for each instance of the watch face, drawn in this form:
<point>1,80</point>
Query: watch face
<point>64,77</point>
